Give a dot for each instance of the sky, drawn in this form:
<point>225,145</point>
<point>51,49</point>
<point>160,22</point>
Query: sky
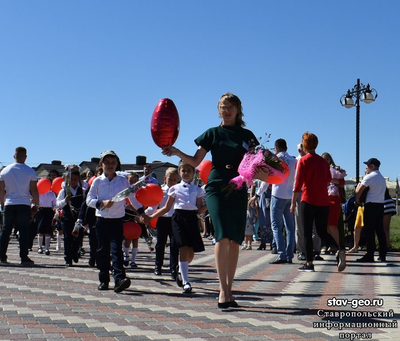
<point>80,77</point>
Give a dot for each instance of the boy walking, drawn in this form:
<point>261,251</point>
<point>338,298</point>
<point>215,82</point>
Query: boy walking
<point>109,228</point>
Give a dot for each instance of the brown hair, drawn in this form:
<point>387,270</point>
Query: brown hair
<point>234,100</point>
<point>310,141</point>
<point>171,170</point>
<point>327,155</point>
<point>183,163</point>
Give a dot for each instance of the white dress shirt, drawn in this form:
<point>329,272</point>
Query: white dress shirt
<point>48,199</point>
<point>105,189</point>
<point>186,195</point>
<point>61,202</point>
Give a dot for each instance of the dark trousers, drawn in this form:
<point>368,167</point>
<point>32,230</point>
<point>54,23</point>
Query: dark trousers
<point>373,223</point>
<point>71,243</point>
<point>19,215</point>
<point>33,227</point>
<point>164,229</point>
<point>311,214</point>
<point>109,237</point>
<point>93,243</point>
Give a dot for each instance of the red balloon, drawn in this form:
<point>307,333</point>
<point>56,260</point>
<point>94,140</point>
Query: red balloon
<point>91,180</point>
<point>165,123</point>
<point>56,185</point>
<point>132,230</point>
<point>151,195</point>
<point>44,185</point>
<point>286,169</point>
<point>204,170</point>
<point>153,223</point>
<point>276,177</point>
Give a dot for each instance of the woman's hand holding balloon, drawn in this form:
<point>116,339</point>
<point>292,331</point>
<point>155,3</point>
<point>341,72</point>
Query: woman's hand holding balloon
<point>170,151</point>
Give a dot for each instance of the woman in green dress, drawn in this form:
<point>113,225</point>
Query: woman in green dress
<point>228,143</point>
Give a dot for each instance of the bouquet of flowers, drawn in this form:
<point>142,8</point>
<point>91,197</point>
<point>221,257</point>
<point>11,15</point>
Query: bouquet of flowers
<point>264,158</point>
<point>336,173</point>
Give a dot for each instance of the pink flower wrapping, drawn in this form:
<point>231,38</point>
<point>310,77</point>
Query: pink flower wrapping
<point>336,173</point>
<point>262,158</point>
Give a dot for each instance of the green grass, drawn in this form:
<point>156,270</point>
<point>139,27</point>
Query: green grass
<point>395,233</point>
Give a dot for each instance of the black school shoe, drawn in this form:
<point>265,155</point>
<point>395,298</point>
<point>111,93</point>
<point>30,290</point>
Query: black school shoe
<point>187,288</point>
<point>122,284</point>
<point>179,281</point>
<point>173,274</point>
<point>27,261</point>
<point>307,268</point>
<point>102,286</point>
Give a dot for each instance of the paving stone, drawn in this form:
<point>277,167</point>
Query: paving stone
<point>49,302</point>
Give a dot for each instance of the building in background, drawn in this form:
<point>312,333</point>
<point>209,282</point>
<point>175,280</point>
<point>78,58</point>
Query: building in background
<point>158,167</point>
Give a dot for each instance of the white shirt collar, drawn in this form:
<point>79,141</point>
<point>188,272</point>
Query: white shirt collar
<point>186,184</point>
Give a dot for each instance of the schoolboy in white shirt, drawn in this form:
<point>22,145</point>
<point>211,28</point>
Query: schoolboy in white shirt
<point>109,228</point>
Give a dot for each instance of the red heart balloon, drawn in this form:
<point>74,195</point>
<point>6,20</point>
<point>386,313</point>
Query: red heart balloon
<point>153,223</point>
<point>165,123</point>
<point>151,195</point>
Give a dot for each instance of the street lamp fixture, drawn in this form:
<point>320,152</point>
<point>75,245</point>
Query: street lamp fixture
<point>351,99</point>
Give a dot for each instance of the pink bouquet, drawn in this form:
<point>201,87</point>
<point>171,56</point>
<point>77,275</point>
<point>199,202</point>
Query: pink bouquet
<point>260,157</point>
<point>336,173</point>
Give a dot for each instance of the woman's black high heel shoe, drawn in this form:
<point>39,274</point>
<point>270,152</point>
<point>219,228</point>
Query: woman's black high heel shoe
<point>262,246</point>
<point>224,305</point>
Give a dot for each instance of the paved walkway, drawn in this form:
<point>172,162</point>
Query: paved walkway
<point>277,302</point>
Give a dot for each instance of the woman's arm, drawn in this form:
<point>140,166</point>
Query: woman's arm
<point>194,160</point>
<point>294,202</point>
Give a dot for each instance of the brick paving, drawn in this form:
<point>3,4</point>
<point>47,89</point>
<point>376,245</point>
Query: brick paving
<point>277,302</point>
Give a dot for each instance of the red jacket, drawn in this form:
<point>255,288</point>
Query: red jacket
<point>313,177</point>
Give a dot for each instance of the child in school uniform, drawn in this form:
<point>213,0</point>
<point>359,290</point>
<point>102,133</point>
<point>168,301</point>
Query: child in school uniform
<point>164,227</point>
<point>186,199</point>
<point>70,205</point>
<point>129,213</point>
<point>109,224</point>
<point>252,216</point>
<point>44,216</point>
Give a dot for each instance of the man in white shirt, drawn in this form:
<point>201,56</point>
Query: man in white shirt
<point>280,208</point>
<point>148,172</point>
<point>373,210</point>
<point>18,184</point>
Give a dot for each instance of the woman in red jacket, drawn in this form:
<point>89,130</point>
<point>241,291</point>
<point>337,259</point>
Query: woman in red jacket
<point>312,177</point>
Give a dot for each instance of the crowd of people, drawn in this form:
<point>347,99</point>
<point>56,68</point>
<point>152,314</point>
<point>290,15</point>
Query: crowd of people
<point>301,214</point>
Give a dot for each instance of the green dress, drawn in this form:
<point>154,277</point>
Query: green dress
<point>227,144</point>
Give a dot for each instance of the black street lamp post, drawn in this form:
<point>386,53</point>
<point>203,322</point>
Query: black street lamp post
<point>367,95</point>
